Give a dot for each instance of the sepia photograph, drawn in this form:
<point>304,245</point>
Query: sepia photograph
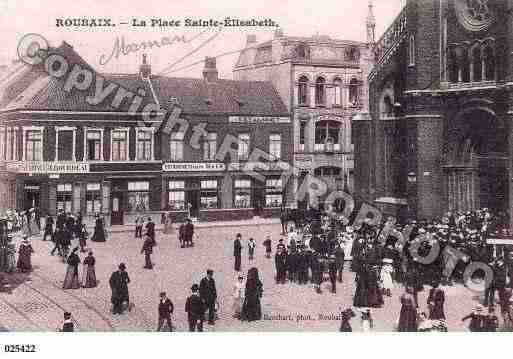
<point>228,166</point>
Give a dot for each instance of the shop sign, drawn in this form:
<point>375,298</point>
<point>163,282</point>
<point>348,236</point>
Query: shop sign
<point>303,162</point>
<point>258,119</point>
<point>48,167</point>
<point>265,166</point>
<point>193,166</point>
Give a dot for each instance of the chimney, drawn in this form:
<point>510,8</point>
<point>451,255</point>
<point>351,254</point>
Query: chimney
<point>210,73</point>
<point>145,68</point>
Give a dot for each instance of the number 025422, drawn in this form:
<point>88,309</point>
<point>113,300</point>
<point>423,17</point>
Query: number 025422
<point>19,348</point>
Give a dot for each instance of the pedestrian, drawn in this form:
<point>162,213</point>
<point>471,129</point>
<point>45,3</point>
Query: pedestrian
<point>189,233</point>
<point>251,249</point>
<point>150,229</point>
<point>367,321</point>
<point>58,239</point>
<point>498,282</point>
<point>99,230</point>
<point>181,235</point>
<point>251,309</point>
<point>408,317</point>
<point>67,325</point>
<point>267,244</point>
<point>119,286</point>
<point>168,223</point>
<point>71,279</point>
<point>332,270</point>
<point>345,321</point>
<point>195,309</point>
<point>280,260</point>
<point>82,237</point>
<point>65,244</point>
<point>386,276</point>
<point>339,260</point>
<point>435,301</point>
<point>48,228</point>
<point>138,226</point>
<point>165,310</point>
<point>25,251</point>
<point>238,296</point>
<point>237,251</point>
<point>476,319</point>
<point>490,321</point>
<point>208,294</point>
<point>88,271</point>
<point>147,249</point>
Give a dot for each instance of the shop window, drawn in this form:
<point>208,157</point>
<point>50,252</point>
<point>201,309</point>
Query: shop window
<point>119,145</point>
<point>273,192</point>
<point>209,194</point>
<point>93,198</point>
<point>64,197</point>
<point>176,195</point>
<point>210,147</point>
<point>2,143</point>
<point>33,146</point>
<point>337,92</point>
<point>138,196</point>
<point>93,145</point>
<point>327,172</point>
<point>242,193</point>
<point>303,91</point>
<point>275,146</point>
<point>353,92</point>
<point>327,132</point>
<point>176,146</point>
<point>243,148</point>
<point>144,145</point>
<point>320,91</point>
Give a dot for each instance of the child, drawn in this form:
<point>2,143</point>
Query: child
<point>67,325</point>
<point>267,244</point>
<point>367,321</point>
<point>238,297</point>
<point>251,249</point>
<point>82,237</point>
<point>387,271</point>
<point>345,322</point>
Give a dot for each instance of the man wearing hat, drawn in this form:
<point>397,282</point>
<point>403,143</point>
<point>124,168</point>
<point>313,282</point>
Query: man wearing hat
<point>208,294</point>
<point>237,251</point>
<point>195,309</point>
<point>119,285</point>
<point>332,270</point>
<point>166,308</point>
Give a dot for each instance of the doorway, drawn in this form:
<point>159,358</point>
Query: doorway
<point>117,203</point>
<point>32,196</point>
<point>192,198</point>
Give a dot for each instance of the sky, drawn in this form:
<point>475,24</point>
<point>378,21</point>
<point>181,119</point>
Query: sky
<point>340,19</point>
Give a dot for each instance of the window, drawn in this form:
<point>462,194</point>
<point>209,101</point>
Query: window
<point>489,63</point>
<point>210,147</point>
<point>452,66</point>
<point>412,50</point>
<point>353,92</point>
<point>65,145</point>
<point>337,92</point>
<point>275,146</point>
<point>302,52</point>
<point>93,145</point>
<point>242,193</point>
<point>176,146</point>
<point>15,145</point>
<point>138,196</point>
<point>2,143</point>
<point>327,172</point>
<point>144,145</point>
<point>8,143</point>
<point>273,192</point>
<point>209,194</point>
<point>320,92</point>
<point>64,197</point>
<point>119,145</point>
<point>303,91</point>
<point>176,195</point>
<point>243,149</point>
<point>33,146</point>
<point>327,131</point>
<point>465,66</point>
<point>477,69</point>
<point>302,129</point>
<point>93,198</point>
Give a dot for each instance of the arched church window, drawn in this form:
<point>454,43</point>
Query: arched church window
<point>489,63</point>
<point>452,66</point>
<point>476,64</point>
<point>320,91</point>
<point>303,90</point>
<point>353,92</point>
<point>465,66</point>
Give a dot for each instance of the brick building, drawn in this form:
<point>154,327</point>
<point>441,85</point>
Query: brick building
<point>323,83</point>
<point>69,148</point>
<point>441,102</point>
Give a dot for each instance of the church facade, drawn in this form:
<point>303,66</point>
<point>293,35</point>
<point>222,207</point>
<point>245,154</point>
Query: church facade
<point>441,103</point>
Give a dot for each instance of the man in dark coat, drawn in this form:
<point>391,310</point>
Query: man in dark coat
<point>48,228</point>
<point>189,233</point>
<point>166,308</point>
<point>119,285</point>
<point>195,309</point>
<point>58,240</point>
<point>435,302</point>
<point>280,260</point>
<point>147,249</point>
<point>61,219</point>
<point>339,261</point>
<point>150,229</point>
<point>208,294</point>
<point>332,270</point>
<point>498,283</point>
<point>237,252</point>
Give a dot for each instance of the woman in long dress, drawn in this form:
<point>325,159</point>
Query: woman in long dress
<point>25,255</point>
<point>238,296</point>
<point>387,281</point>
<point>89,273</point>
<point>99,230</point>
<point>367,293</point>
<point>251,309</point>
<point>408,317</point>
<point>71,280</point>
<point>34,229</point>
<point>168,224</point>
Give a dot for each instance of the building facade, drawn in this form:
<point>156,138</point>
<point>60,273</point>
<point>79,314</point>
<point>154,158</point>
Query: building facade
<point>441,102</point>
<point>323,82</point>
<point>73,149</point>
